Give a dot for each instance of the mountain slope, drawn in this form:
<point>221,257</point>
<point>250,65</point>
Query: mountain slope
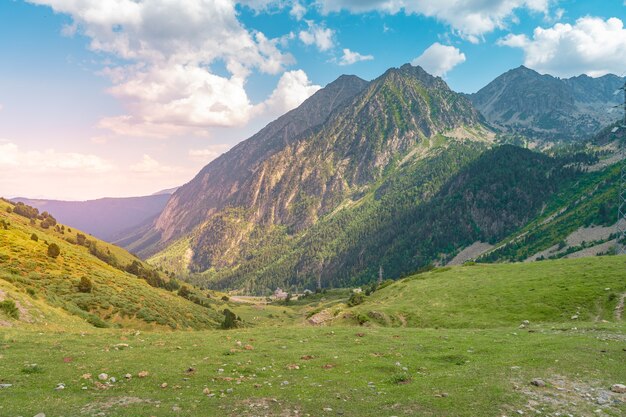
<point>104,218</point>
<point>392,123</point>
<point>87,280</point>
<point>544,107</point>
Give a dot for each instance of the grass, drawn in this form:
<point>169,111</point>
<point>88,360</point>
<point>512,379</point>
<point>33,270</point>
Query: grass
<point>30,277</point>
<point>377,372</point>
<point>482,295</point>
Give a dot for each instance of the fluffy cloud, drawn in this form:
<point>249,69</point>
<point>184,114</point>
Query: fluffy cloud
<point>349,57</point>
<point>318,35</point>
<point>438,59</point>
<point>592,46</point>
<point>166,48</point>
<point>13,159</point>
<point>293,88</point>
<point>470,18</point>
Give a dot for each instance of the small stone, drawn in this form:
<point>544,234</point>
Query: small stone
<point>60,387</point>
<point>120,346</point>
<point>538,382</point>
<point>128,376</point>
<point>229,391</point>
<point>574,317</point>
<point>5,386</point>
<point>619,388</point>
<point>220,370</point>
<point>164,385</point>
<point>284,383</point>
<point>112,380</point>
<point>327,409</point>
<point>86,376</point>
<point>206,391</point>
<point>143,374</point>
<point>103,377</point>
<point>249,347</point>
<point>520,412</point>
<point>40,415</point>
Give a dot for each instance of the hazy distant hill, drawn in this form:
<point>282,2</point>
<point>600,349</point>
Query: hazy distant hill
<point>104,218</point>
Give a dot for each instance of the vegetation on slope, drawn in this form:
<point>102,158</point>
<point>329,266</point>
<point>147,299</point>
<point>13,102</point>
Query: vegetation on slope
<point>89,278</point>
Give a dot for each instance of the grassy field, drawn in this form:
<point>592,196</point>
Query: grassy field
<point>298,371</point>
<point>443,343</point>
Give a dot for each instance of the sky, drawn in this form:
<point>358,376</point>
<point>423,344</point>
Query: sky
<point>127,97</point>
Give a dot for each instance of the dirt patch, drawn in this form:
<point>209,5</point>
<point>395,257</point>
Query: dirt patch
<point>270,407</point>
<point>562,396</point>
<point>320,318</point>
<point>101,408</point>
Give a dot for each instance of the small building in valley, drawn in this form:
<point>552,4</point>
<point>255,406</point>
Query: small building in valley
<point>279,294</point>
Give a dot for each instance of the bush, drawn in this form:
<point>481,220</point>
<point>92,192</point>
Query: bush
<point>53,250</point>
<point>85,285</point>
<point>355,299</point>
<point>231,321</point>
<point>34,237</point>
<point>184,291</point>
<point>10,309</point>
<point>225,298</point>
<point>3,225</point>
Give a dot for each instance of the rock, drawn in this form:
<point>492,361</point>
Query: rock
<point>143,374</point>
<point>5,386</point>
<point>229,391</point>
<point>619,388</point>
<point>112,380</point>
<point>249,347</point>
<point>60,386</point>
<point>103,377</point>
<point>526,322</point>
<point>538,382</point>
<point>40,415</point>
<point>293,366</point>
<point>206,391</point>
<point>164,385</point>
<point>190,370</point>
<point>120,346</point>
<point>86,376</point>
<point>574,317</point>
<point>128,376</point>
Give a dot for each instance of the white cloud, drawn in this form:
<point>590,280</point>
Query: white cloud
<point>167,47</point>
<point>293,88</point>
<point>15,160</point>
<point>298,10</point>
<point>209,153</point>
<point>592,46</point>
<point>318,35</point>
<point>438,59</point>
<point>349,57</point>
<point>469,18</point>
<point>151,167</point>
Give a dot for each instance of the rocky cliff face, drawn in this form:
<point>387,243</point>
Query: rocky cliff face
<point>302,166</point>
<point>544,107</point>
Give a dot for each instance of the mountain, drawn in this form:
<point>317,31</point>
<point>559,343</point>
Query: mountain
<point>522,101</point>
<point>105,218</point>
<point>87,281</point>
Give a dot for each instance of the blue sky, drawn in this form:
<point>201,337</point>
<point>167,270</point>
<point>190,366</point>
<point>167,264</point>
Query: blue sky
<point>125,97</point>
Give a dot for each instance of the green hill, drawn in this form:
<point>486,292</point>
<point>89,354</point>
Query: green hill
<point>483,296</point>
<point>109,295</point>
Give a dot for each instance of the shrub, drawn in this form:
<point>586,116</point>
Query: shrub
<point>225,298</point>
<point>85,285</point>
<point>3,224</point>
<point>53,250</point>
<point>81,239</point>
<point>10,309</point>
<point>184,291</point>
<point>34,237</point>
<point>231,320</point>
<point>355,299</point>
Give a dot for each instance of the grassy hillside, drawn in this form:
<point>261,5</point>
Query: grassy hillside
<point>29,275</point>
<point>468,357</point>
<point>482,296</point>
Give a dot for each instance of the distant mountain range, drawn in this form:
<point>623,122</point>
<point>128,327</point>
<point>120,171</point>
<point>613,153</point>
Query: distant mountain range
<point>104,218</point>
<point>522,101</point>
<point>400,173</point>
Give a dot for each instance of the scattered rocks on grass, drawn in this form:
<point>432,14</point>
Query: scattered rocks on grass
<point>538,382</point>
<point>618,388</point>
